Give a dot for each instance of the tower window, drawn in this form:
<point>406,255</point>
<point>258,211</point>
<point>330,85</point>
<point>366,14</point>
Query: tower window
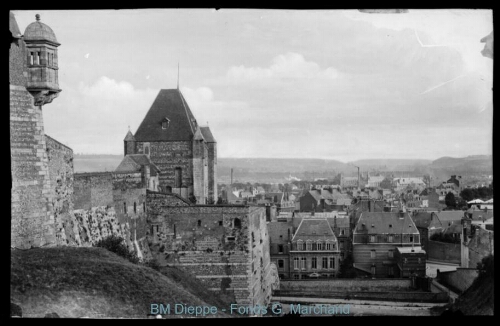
<point>135,208</point>
<point>178,177</point>
<point>31,57</point>
<point>125,208</point>
<point>165,123</point>
<point>39,54</point>
<point>144,206</point>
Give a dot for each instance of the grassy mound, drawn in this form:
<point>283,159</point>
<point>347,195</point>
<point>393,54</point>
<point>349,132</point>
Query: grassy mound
<point>93,282</point>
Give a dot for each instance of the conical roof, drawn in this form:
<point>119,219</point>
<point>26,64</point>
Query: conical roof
<point>38,31</point>
<point>129,137</point>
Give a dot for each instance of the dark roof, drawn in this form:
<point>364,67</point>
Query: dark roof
<point>129,137</point>
<point>272,194</point>
<point>207,134</point>
<point>168,104</point>
<point>314,229</point>
<point>38,31</point>
<point>424,219</point>
<point>13,27</point>
<point>481,215</point>
<point>380,223</point>
<point>447,216</point>
<point>134,162</point>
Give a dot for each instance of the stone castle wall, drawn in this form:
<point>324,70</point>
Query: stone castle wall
<point>225,247</point>
<point>169,155</point>
<point>32,219</point>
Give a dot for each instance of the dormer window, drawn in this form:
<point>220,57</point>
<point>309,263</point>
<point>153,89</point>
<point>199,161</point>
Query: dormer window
<point>165,122</point>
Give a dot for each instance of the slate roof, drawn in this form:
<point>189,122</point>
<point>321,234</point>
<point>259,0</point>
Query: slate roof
<point>450,216</point>
<point>270,195</point>
<point>169,103</point>
<point>379,223</point>
<point>207,134</point>
<point>314,229</point>
<point>423,219</point>
<point>134,162</point>
<point>38,31</point>
<point>455,227</point>
<point>481,215</point>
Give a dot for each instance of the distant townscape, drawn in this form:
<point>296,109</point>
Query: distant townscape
<point>168,222</point>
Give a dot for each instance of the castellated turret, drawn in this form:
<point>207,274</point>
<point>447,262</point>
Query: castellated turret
<point>41,44</point>
<point>129,144</point>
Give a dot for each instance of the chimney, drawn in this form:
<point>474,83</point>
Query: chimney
<point>401,213</point>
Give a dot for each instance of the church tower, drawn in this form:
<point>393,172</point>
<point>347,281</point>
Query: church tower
<point>129,144</point>
<point>41,44</point>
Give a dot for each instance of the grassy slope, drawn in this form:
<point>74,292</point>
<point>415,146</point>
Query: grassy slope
<point>93,282</point>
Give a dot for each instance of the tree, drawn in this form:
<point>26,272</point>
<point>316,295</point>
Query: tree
<point>450,200</point>
<point>386,183</point>
<point>346,268</point>
<point>117,245</point>
<point>467,194</point>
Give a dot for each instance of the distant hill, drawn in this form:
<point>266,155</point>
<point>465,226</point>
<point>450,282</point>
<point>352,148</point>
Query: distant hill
<point>475,163</point>
<point>93,282</point>
<point>391,164</point>
<point>95,163</point>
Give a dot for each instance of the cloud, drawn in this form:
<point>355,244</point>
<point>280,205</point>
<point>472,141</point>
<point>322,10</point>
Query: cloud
<point>284,66</point>
<point>95,117</point>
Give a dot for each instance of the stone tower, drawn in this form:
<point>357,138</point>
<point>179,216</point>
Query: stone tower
<point>129,144</point>
<point>41,44</point>
<point>32,84</point>
<point>211,164</point>
<point>173,140</point>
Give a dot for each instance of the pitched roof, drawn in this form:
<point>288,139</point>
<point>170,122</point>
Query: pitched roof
<point>385,222</point>
<point>424,219</point>
<point>134,162</point>
<point>13,27</point>
<point>169,103</point>
<point>448,216</point>
<point>272,194</point>
<point>314,229</point>
<point>207,134</point>
<point>481,215</point>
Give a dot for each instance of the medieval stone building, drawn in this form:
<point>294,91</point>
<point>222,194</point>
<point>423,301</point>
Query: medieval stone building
<point>184,152</point>
<point>37,209</point>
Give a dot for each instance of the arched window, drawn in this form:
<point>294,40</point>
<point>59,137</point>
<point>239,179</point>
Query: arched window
<point>314,246</point>
<point>135,208</point>
<point>199,222</point>
<point>124,207</point>
<point>144,206</point>
<point>308,245</point>
<point>237,223</point>
<point>300,245</point>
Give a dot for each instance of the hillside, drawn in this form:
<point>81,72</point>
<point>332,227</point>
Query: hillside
<point>470,163</point>
<point>96,163</point>
<point>93,282</point>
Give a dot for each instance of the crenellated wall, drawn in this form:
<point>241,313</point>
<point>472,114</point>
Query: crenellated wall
<point>226,246</point>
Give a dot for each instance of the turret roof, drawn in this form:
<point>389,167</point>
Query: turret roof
<point>168,104</point>
<point>38,31</point>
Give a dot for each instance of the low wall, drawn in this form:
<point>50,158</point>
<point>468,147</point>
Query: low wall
<point>459,280</point>
<point>442,251</point>
<point>336,285</point>
<point>382,296</point>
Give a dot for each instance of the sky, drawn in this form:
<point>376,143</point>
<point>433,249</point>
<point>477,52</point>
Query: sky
<point>329,84</point>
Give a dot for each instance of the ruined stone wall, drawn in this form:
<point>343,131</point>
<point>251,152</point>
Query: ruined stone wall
<point>225,247</point>
<point>480,246</point>
<point>60,164</point>
<point>32,219</point>
<point>169,155</point>
<point>18,63</point>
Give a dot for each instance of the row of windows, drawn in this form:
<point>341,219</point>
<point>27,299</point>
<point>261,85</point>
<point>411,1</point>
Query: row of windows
<point>135,207</point>
<point>301,263</point>
<point>390,238</point>
<point>390,254</point>
<point>319,245</point>
<point>34,58</point>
